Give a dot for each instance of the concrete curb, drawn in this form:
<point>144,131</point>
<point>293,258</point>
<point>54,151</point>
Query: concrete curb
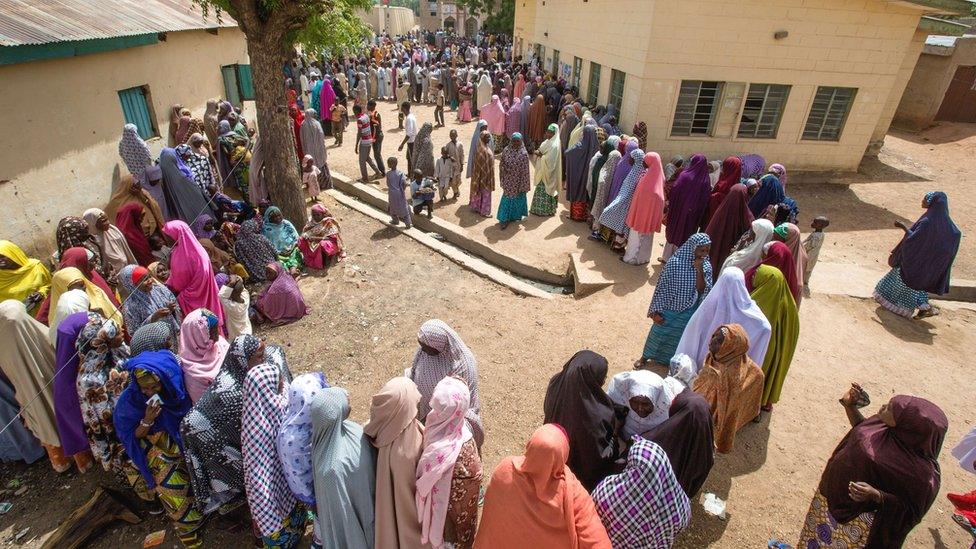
<point>586,281</point>
<point>471,263</point>
<point>452,233</point>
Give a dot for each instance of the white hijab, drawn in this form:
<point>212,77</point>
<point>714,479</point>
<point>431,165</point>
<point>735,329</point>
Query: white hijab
<point>630,384</point>
<point>751,255</point>
<point>727,303</point>
<point>70,302</point>
<point>115,249</point>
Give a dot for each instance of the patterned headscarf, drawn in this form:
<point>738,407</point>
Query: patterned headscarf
<point>101,379</point>
<point>294,440</point>
<point>140,305</point>
<point>154,336</point>
<point>253,250</point>
<point>73,232</point>
<point>675,289</point>
<point>134,151</point>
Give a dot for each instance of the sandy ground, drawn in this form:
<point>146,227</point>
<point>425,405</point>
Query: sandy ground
<point>365,315</point>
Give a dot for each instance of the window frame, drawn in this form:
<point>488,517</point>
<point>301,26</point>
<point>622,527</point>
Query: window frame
<point>240,87</point>
<point>555,63</point>
<point>593,85</point>
<point>577,71</point>
<point>762,112</point>
<point>146,97</point>
<point>827,113</point>
<point>719,87</point>
<point>623,83</point>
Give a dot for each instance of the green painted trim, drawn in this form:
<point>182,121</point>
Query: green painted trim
<point>941,26</point>
<point>957,7</point>
<point>10,55</point>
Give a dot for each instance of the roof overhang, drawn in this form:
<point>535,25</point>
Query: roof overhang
<point>939,7</point>
<point>934,25</point>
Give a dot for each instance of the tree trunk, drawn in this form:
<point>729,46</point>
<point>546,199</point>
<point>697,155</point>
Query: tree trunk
<point>268,57</point>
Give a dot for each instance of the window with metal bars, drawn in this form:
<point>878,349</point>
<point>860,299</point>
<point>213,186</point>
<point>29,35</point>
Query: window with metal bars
<point>829,113</point>
<point>696,108</point>
<point>593,91</point>
<point>577,71</point>
<point>137,109</point>
<point>555,62</point>
<point>763,110</point>
<point>616,88</point>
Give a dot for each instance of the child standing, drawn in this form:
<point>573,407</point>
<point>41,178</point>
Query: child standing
<point>338,116</point>
<point>396,192</point>
<point>456,151</point>
<point>439,100</point>
<point>444,170</point>
<point>812,244</point>
<point>422,194</point>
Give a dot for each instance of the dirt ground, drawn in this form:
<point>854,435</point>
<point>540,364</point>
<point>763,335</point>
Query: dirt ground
<point>365,314</point>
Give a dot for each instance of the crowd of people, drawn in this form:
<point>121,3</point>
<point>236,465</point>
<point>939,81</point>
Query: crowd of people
<point>138,353</point>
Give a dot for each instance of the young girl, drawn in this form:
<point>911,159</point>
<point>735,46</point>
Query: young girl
<point>310,177</point>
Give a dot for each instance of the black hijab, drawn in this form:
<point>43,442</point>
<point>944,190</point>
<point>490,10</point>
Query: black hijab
<point>576,400</point>
<point>686,436</point>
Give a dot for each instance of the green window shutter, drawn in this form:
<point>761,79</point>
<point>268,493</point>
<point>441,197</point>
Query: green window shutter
<point>245,82</point>
<point>231,90</point>
<point>135,110</point>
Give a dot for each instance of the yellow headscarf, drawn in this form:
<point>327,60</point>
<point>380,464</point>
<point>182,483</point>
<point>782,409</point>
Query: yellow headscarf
<point>31,275</point>
<point>96,297</point>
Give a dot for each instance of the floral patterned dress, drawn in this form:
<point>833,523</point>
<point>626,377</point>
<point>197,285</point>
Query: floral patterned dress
<point>101,379</point>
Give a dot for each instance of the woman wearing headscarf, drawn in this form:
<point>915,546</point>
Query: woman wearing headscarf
<point>881,479</point>
<point>254,250</point>
<point>537,497</point>
<point>27,360</point>
<point>22,277</point>
<point>134,151</point>
<point>67,410</point>
<point>423,151</point>
<point>155,187</point>
<point>130,191</point>
<point>643,394</point>
<point>17,443</point>
<point>321,241</point>
<point>482,176</point>
<point>548,174</point>
<point>640,132</point>
<point>687,203</point>
<point>748,252</point>
<point>149,431</point>
<point>514,177</point>
<point>281,302</point>
<point>921,262</point>
<point>687,439</point>
<point>442,353</point>
<point>147,300</point>
<point>278,517</point>
<point>197,156</point>
<point>210,121</point>
<point>344,470</point>
<point>625,146</point>
<point>537,120</point>
<point>789,234</point>
<point>313,143</point>
<point>110,240</point>
<point>772,294</point>
<point>398,436</point>
<point>685,281</point>
<point>155,336</point>
<point>68,279</point>
<point>73,231</point>
<point>449,471</point>
<point>211,431</point>
<point>513,118</point>
<point>466,94</point>
<point>578,175</point>
<point>779,171</point>
<point>730,176</point>
<point>644,507</point>
<point>731,382</point>
<point>604,179</point>
<point>326,98</point>
<point>202,351</point>
<point>184,198</point>
<point>129,223</point>
<point>232,157</point>
<point>480,127</point>
<point>518,88</point>
<point>770,193</point>
<point>483,93</point>
<point>673,170</point>
<point>101,378</point>
<point>646,212</point>
<point>191,274</point>
<point>728,223</point>
<point>776,254</point>
<point>614,217</point>
<point>576,401</point>
<point>283,236</point>
<point>294,440</point>
<point>297,118</point>
<point>753,165</point>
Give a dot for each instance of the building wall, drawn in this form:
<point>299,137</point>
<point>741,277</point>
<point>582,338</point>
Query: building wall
<point>63,119</point>
<point>864,44</point>
<point>930,79</point>
<point>391,19</point>
<point>433,13</point>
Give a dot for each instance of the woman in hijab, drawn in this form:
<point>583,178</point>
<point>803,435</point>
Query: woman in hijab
<point>748,252</point>
<point>685,281</point>
<point>687,203</point>
<point>211,431</point>
<point>729,221</point>
<point>22,277</point>
<point>730,175</point>
<point>772,294</point>
<point>604,180</point>
<point>483,94</point>
<point>514,176</point>
<point>202,351</point>
<point>149,431</point>
<point>184,198</point>
<point>327,98</point>
<point>548,174</point>
<point>578,175</point>
<point>155,336</point>
<point>753,166</point>
<point>297,118</point>
<point>67,410</point>
<point>17,443</point>
<point>110,240</point>
<point>134,151</point>
<point>154,186</point>
<point>646,212</point>
<point>777,255</point>
<point>254,250</point>
<point>731,382</point>
<point>147,300</point>
<point>294,440</point>
<point>398,436</point>
<point>130,191</point>
<point>278,517</point>
<point>27,360</point>
<point>779,171</point>
<point>191,274</point>
<point>230,159</point>
<point>537,120</point>
<point>575,400</point>
<point>789,234</point>
<point>625,146</point>
<point>283,236</point>
<point>513,118</point>
<point>614,216</point>
<point>344,469</point>
<point>644,506</point>
<point>466,94</point>
<point>727,303</point>
<point>423,151</point>
<point>673,170</point>
<point>313,143</point>
<point>770,193</point>
<point>449,470</point>
<point>645,397</point>
<point>537,497</point>
<point>321,241</point>
<point>210,121</point>
<point>282,301</point>
<point>482,176</point>
<point>67,280</point>
<point>640,132</point>
<point>480,127</point>
<point>687,439</point>
<point>79,258</point>
<point>882,478</point>
<point>921,262</point>
<point>73,231</point>
<point>129,223</point>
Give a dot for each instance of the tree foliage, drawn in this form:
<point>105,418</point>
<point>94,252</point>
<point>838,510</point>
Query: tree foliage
<point>501,13</point>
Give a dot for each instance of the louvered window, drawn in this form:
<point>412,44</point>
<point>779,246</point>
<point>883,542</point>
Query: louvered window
<point>829,113</point>
<point>696,108</point>
<point>763,110</point>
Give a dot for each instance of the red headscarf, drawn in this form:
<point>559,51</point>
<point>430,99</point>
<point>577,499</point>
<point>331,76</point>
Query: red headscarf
<point>778,255</point>
<point>129,221</point>
<point>731,176</point>
<point>297,117</point>
<point>730,220</point>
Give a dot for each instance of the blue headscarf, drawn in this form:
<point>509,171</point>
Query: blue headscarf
<point>131,406</point>
<point>675,290</point>
<point>926,252</point>
<point>281,235</point>
<point>770,192</point>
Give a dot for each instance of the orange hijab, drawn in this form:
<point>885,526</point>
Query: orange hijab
<point>536,497</point>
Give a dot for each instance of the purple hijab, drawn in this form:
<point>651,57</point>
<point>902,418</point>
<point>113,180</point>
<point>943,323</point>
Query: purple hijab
<point>623,168</point>
<point>67,409</point>
<point>926,252</point>
<point>282,302</point>
<point>578,163</point>
<point>688,201</point>
<point>513,118</point>
<point>753,166</point>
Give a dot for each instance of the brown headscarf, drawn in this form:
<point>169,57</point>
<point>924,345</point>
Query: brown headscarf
<point>537,119</point>
<point>128,192</point>
<point>483,173</point>
<point>732,384</point>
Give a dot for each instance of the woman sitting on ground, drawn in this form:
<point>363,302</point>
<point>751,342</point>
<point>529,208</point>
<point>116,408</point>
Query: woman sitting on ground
<point>115,249</point>
<point>282,301</point>
<point>645,397</point>
<point>321,242</point>
<point>22,278</point>
<point>254,250</point>
<point>283,236</point>
<point>202,351</point>
<point>81,259</point>
<point>147,300</point>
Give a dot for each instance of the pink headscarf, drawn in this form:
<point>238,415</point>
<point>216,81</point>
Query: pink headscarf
<point>327,97</point>
<point>200,356</point>
<point>282,302</point>
<point>444,433</point>
<point>191,275</point>
<point>647,207</point>
<point>494,114</point>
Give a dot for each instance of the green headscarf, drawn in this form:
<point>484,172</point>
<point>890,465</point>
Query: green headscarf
<point>772,294</point>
